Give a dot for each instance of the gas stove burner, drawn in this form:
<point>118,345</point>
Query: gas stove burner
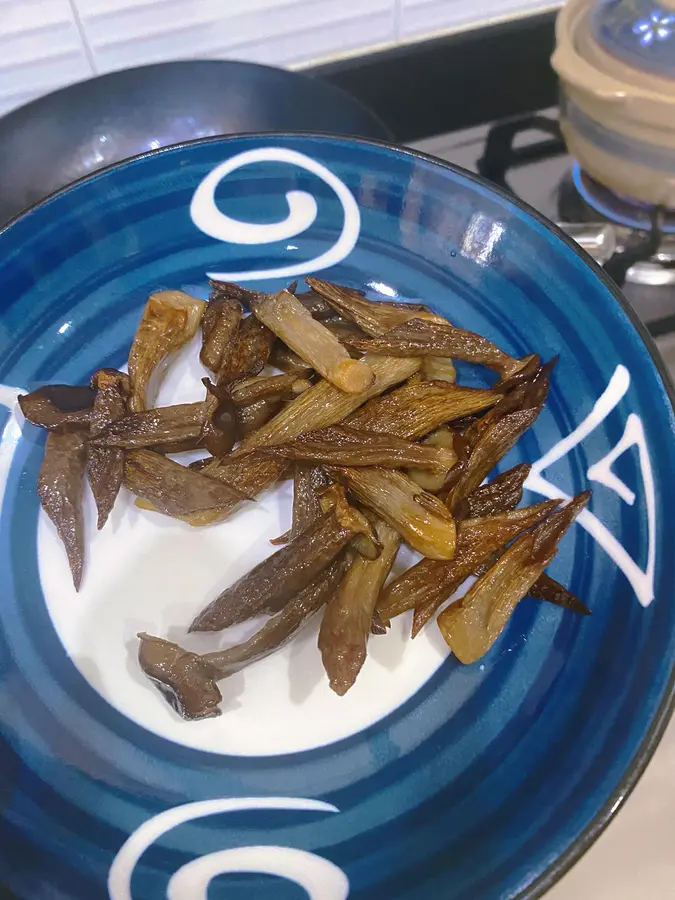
<point>582,198</point>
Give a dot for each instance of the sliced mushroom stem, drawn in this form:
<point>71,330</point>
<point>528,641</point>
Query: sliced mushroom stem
<point>348,618</point>
<point>308,482</point>
<point>276,580</point>
<point>173,489</point>
<point>163,425</point>
<point>503,492</point>
<point>413,410</point>
<point>282,627</point>
<point>105,465</point>
<point>424,337</point>
<point>220,328</point>
<point>170,319</point>
<point>472,625</point>
<point>421,520</point>
<point>271,387</point>
<point>289,320</point>
<point>60,485</point>
<point>282,357</point>
<point>250,475</point>
<point>551,591</point>
<point>438,368</point>
<point>375,317</point>
<point>431,581</point>
<point>59,406</point>
<point>549,533</point>
<point>343,445</point>
<point>324,404</point>
<point>531,394</point>
<point>254,415</point>
<point>443,440</point>
<point>492,446</point>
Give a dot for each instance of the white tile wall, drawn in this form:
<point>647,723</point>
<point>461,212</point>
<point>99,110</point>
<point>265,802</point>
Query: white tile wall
<point>45,44</point>
<point>124,32</point>
<point>40,48</point>
<point>425,17</point>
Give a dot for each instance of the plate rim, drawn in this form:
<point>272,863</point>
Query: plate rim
<point>660,720</point>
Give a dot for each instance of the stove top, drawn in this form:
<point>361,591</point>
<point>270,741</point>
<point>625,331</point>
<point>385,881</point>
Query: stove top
<point>528,156</point>
<point>583,199</point>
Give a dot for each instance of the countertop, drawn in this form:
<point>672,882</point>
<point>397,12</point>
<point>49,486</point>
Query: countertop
<point>635,857</point>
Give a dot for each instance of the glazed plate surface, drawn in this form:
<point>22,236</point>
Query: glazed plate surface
<point>429,779</point>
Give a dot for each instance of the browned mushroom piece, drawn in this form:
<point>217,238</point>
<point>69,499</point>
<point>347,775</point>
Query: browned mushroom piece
<point>281,628</point>
<point>164,425</point>
<point>250,474</point>
<point>375,317</point>
<point>282,357</point>
<point>425,337</point>
<point>495,443</point>
<point>249,352</point>
<point>324,404</point>
<point>105,465</point>
<point>432,581</point>
<point>502,493</point>
<point>170,319</point>
<point>63,406</point>
<point>442,440</point>
<point>273,582</point>
<point>421,519</point>
<point>288,319</point>
<point>414,410</point>
<point>254,415</point>
<point>551,591</point>
<point>308,482</point>
<point>348,618</point>
<point>343,445</point>
<point>60,486</point>
<point>472,625</point>
<point>222,428</point>
<point>186,682</point>
<point>270,387</point>
<point>438,368</point>
<point>220,329</point>
<point>173,489</point>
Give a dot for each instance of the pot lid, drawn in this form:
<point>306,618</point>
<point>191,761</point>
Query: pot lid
<point>641,33</point>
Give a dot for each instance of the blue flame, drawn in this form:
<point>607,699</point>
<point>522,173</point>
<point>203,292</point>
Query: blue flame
<point>624,211</point>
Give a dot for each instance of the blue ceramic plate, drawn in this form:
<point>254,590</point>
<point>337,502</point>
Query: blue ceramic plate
<point>429,779</point>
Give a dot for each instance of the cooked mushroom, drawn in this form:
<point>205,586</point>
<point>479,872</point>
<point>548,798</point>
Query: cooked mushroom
<point>288,318</point>
<point>105,466</point>
<point>273,582</point>
<point>170,319</point>
<point>60,485</point>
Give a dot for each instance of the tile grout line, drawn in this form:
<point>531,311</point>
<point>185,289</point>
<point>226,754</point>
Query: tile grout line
<point>83,37</point>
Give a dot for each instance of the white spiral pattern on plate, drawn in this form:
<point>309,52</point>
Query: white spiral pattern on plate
<point>321,879</point>
<point>302,212</point>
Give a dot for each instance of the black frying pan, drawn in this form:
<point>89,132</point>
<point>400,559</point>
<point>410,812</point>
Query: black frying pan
<point>81,128</point>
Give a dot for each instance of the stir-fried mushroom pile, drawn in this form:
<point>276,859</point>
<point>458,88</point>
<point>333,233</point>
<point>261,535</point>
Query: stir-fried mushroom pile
<point>382,445</point>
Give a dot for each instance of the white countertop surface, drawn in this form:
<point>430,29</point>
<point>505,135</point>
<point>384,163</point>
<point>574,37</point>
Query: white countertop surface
<point>634,859</point>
